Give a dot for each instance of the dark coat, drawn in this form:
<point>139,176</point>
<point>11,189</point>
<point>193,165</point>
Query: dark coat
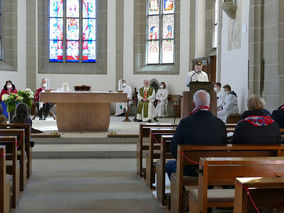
<point>201,128</point>
<point>278,116</point>
<point>247,133</point>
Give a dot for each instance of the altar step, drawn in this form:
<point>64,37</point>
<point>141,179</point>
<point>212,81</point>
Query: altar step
<point>86,140</point>
<point>84,148</point>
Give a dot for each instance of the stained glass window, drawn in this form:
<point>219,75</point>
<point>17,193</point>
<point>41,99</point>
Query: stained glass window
<point>72,30</point>
<point>1,57</point>
<point>160,31</point>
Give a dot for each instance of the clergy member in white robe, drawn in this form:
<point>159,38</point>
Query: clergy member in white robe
<point>146,98</point>
<point>197,75</point>
<point>162,98</point>
<point>220,94</point>
<point>121,108</point>
<point>230,105</point>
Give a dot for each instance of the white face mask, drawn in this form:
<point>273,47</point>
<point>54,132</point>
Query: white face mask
<point>44,85</point>
<point>216,89</point>
<point>9,86</point>
<point>227,92</point>
<point>161,87</point>
<point>124,84</point>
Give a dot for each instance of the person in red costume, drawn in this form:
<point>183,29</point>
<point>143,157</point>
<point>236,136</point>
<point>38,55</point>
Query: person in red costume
<point>8,89</point>
<point>45,108</point>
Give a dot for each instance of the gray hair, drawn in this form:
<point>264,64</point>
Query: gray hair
<point>255,102</point>
<point>201,98</point>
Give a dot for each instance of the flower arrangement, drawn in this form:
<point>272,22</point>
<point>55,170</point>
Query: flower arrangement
<point>11,101</point>
<point>23,96</point>
<point>26,96</point>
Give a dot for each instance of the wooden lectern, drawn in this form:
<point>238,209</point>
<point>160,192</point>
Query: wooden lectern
<point>187,97</point>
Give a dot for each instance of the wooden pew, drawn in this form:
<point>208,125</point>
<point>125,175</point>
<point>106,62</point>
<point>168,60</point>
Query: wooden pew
<point>223,172</point>
<point>28,147</point>
<point>4,183</point>
<point>12,168</point>
<point>271,187</point>
<point>154,151</point>
<point>20,134</point>
<point>193,152</point>
<point>161,167</point>
<point>144,131</point>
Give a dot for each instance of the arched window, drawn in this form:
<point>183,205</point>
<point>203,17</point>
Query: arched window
<point>72,31</point>
<point>160,32</point>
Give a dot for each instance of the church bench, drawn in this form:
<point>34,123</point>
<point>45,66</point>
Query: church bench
<point>144,132</point>
<point>154,151</point>
<point>28,143</point>
<point>20,134</point>
<point>161,167</point>
<point>194,153</point>
<point>12,166</point>
<point>4,183</point>
<point>223,171</point>
<point>271,187</point>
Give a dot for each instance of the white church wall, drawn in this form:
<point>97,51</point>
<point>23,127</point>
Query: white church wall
<point>234,63</point>
<point>18,77</point>
<point>97,82</point>
<point>175,83</point>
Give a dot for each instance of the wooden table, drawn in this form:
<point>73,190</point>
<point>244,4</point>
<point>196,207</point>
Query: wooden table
<point>83,111</point>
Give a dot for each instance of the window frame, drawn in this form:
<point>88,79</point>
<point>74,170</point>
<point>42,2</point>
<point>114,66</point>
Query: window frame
<point>65,18</point>
<point>161,15</point>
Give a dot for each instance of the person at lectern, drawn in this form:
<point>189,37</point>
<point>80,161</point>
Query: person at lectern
<point>146,98</point>
<point>196,75</point>
<point>43,109</point>
<point>121,108</point>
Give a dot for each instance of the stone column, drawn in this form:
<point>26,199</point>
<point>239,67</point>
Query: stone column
<point>266,54</point>
<point>200,28</point>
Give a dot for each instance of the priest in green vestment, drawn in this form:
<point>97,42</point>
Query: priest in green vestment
<point>146,98</point>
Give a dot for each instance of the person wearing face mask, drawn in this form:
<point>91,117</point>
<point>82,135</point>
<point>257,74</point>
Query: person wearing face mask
<point>197,75</point>
<point>162,98</point>
<point>8,89</point>
<point>146,98</point>
<point>220,94</point>
<point>43,109</point>
<point>121,108</point>
<point>230,105</point>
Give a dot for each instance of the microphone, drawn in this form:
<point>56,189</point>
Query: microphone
<point>192,76</point>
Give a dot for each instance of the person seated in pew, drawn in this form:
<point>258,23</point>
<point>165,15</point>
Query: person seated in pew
<point>230,105</point>
<point>256,126</point>
<point>220,94</point>
<point>42,108</point>
<point>22,115</point>
<point>3,118</point>
<point>121,108</point>
<point>278,116</point>
<point>200,128</point>
<point>162,98</point>
<point>146,98</point>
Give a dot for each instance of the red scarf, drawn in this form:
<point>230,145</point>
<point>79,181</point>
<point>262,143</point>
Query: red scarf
<point>196,109</point>
<point>258,121</point>
<point>282,107</point>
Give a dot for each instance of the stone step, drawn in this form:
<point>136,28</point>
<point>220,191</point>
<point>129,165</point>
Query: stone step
<point>84,140</point>
<point>83,151</point>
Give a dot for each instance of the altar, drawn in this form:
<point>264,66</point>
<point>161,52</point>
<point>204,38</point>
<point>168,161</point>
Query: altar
<point>83,111</point>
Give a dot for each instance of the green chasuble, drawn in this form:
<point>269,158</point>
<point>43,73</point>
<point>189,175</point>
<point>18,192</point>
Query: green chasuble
<point>144,94</point>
